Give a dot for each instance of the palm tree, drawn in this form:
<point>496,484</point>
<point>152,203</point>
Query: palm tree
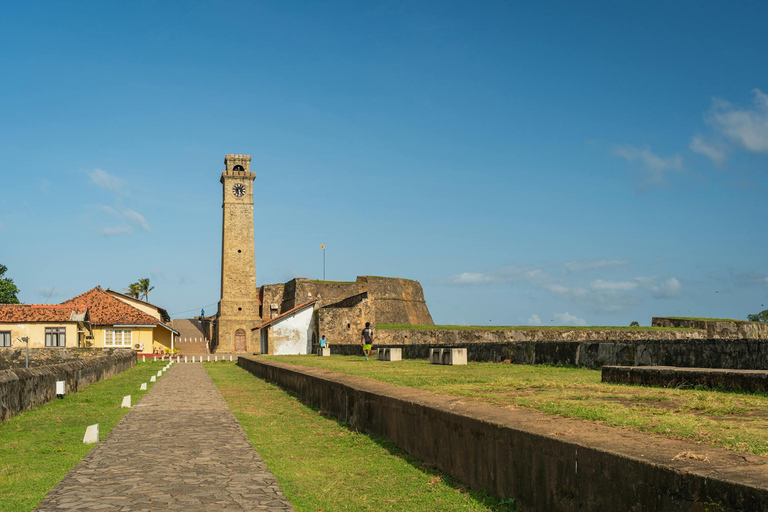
<point>134,290</point>
<point>144,288</point>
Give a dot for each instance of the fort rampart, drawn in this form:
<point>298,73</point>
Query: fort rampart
<point>544,463</point>
<point>22,389</point>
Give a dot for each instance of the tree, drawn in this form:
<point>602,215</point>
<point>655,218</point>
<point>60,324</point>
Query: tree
<point>635,324</point>
<point>133,290</point>
<point>144,288</point>
<point>8,290</point>
<point>759,317</point>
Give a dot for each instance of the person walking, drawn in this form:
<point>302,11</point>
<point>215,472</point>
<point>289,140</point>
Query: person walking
<point>366,339</point>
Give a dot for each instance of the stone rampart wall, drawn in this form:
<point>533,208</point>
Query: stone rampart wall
<point>22,389</point>
<point>736,354</point>
<point>526,455</point>
<point>718,329</point>
<point>16,357</point>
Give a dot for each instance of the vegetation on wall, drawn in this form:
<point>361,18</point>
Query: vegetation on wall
<point>8,290</point>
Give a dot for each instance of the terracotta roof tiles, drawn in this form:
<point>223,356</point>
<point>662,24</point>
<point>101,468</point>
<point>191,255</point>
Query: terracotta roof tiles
<point>105,309</point>
<point>22,313</point>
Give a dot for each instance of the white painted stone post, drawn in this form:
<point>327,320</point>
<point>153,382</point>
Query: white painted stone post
<point>91,434</point>
<point>193,359</point>
<point>153,379</point>
<point>209,359</point>
<point>159,374</point>
<point>126,402</point>
<point>230,358</point>
<point>215,359</point>
<point>143,386</point>
<point>61,388</point>
<point>143,358</point>
<point>185,359</point>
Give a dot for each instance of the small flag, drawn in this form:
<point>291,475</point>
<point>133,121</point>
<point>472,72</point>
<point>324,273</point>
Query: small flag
<point>322,246</point>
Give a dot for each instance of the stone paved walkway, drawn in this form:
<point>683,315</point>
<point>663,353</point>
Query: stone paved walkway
<point>180,448</point>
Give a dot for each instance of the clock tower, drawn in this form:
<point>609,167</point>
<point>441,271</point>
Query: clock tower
<point>239,304</point>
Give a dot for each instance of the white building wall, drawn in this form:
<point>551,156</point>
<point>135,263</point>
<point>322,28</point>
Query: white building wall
<point>292,334</point>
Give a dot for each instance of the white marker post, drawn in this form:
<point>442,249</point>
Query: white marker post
<point>143,386</point>
<point>230,358</point>
<point>126,402</point>
<point>209,359</point>
<point>91,434</point>
<point>153,379</point>
<point>143,358</point>
<point>185,359</point>
<point>61,388</point>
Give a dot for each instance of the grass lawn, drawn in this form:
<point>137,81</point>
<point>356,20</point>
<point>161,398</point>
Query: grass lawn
<point>736,421</point>
<point>525,328</point>
<point>38,447</point>
<point>322,465</point>
<point>703,319</point>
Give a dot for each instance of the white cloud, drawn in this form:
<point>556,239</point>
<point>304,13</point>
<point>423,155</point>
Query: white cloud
<point>568,319</point>
<point>577,266</point>
<point>533,320</point>
<point>503,275</point>
<point>137,218</point>
<point>746,127</point>
<point>131,218</point>
<point>600,284</point>
<point>103,179</point>
<point>470,278</point>
<point>654,166</point>
<point>114,230</point>
<point>698,145</point>
<point>660,289</point>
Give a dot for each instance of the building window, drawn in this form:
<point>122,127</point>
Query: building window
<point>55,337</point>
<point>117,337</point>
<point>5,338</point>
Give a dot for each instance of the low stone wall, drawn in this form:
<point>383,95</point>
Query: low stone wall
<point>546,464</point>
<point>736,354</point>
<point>16,357</point>
<point>22,389</point>
<point>671,377</point>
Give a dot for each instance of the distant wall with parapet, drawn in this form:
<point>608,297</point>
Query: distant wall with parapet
<point>731,330</point>
<point>397,301</point>
<point>17,357</point>
<point>590,348</point>
<point>22,389</point>
<point>342,322</point>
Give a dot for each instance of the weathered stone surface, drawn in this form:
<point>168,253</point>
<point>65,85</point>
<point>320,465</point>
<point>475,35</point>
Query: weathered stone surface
<point>546,463</point>
<point>718,329</point>
<point>180,449</point>
<point>22,389</point>
<point>672,377</point>
<point>737,354</point>
<point>16,357</point>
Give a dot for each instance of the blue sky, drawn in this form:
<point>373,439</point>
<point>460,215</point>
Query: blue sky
<point>528,163</point>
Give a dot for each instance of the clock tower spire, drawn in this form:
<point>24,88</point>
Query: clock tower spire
<point>239,303</point>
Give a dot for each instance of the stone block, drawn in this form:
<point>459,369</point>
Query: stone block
<point>159,374</point>
<point>61,388</point>
<point>434,355</point>
<point>143,386</point>
<point>453,356</point>
<point>91,434</point>
<point>153,379</point>
<point>126,402</point>
<point>324,352</point>
<point>390,354</point>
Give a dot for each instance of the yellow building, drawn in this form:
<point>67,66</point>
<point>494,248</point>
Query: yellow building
<point>44,325</point>
<point>119,321</point>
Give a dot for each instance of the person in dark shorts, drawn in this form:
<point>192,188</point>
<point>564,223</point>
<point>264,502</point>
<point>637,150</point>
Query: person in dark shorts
<point>366,339</point>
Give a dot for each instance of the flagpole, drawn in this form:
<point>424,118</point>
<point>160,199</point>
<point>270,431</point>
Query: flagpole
<point>323,248</point>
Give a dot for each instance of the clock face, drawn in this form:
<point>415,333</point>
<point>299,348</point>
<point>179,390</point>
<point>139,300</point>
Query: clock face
<point>238,190</point>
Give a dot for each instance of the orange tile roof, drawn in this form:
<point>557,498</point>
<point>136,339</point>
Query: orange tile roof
<point>105,309</point>
<point>22,313</point>
<point>283,315</point>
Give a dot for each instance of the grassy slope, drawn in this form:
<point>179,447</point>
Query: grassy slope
<point>731,420</point>
<point>39,447</point>
<point>322,465</point>
<point>526,328</point>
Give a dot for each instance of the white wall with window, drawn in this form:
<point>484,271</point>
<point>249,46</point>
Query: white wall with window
<point>5,338</point>
<point>55,336</point>
<point>118,338</point>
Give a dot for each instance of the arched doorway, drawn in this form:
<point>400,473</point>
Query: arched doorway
<point>240,345</point>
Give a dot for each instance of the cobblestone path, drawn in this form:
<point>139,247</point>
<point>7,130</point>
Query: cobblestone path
<point>180,448</point>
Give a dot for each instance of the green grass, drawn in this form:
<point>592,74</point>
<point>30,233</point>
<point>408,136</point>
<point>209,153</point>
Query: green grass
<point>322,465</point>
<point>331,282</point>
<point>704,319</point>
<point>38,447</point>
<point>525,328</point>
<point>736,421</point>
